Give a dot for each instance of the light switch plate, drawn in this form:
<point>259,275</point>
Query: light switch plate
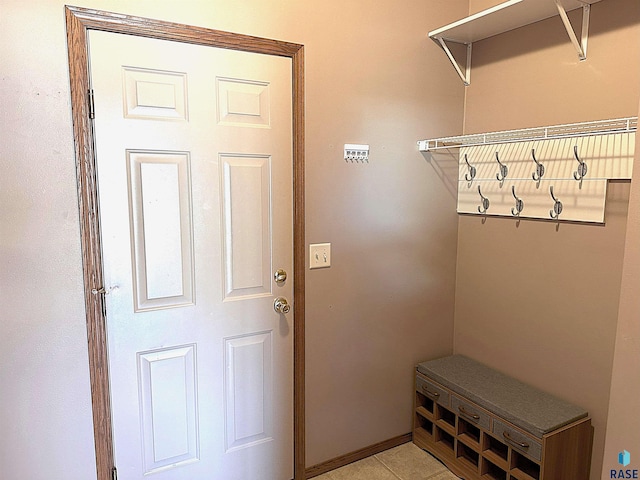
<point>319,255</point>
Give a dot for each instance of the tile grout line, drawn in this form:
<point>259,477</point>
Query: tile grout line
<point>388,468</point>
<point>443,468</point>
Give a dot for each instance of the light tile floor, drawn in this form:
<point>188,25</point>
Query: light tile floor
<point>406,462</point>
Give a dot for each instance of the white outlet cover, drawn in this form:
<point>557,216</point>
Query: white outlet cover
<point>319,255</point>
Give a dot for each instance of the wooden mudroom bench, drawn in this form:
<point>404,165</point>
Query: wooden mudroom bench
<point>485,425</point>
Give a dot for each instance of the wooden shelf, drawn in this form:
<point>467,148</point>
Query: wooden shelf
<point>496,452</point>
<point>520,475</point>
<point>496,460</point>
<point>445,441</point>
<point>469,441</point>
<point>425,413</point>
<point>468,462</point>
<point>445,427</point>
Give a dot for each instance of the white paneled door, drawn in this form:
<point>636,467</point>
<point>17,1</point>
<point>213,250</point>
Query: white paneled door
<point>194,159</point>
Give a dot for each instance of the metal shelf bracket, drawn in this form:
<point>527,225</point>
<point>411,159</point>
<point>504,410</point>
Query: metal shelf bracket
<point>504,17</point>
<point>466,75</point>
<point>581,45</point>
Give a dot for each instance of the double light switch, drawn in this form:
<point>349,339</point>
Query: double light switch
<point>319,255</point>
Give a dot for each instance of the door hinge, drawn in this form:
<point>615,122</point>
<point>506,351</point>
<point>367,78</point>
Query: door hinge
<point>103,301</point>
<point>114,473</point>
<point>92,107</point>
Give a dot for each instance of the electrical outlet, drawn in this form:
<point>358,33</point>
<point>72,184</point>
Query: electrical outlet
<point>320,255</point>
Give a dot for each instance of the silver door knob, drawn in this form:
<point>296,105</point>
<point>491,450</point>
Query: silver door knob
<point>280,305</point>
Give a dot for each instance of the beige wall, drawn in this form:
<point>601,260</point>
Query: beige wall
<point>536,301</point>
<point>476,6</point>
<point>387,302</point>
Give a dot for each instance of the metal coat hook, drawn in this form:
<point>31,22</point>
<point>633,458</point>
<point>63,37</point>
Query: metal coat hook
<point>580,173</point>
<point>504,170</point>
<point>515,211</point>
<point>557,207</point>
<point>484,202</point>
<point>539,173</point>
<point>472,170</point>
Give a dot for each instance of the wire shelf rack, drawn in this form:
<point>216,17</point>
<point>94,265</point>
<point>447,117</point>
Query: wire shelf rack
<point>584,129</point>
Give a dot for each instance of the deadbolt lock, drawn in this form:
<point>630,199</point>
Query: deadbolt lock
<point>280,276</point>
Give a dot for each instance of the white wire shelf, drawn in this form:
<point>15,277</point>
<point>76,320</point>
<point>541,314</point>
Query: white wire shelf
<point>584,129</point>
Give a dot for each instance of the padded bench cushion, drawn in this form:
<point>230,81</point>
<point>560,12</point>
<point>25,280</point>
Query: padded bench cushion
<point>531,409</point>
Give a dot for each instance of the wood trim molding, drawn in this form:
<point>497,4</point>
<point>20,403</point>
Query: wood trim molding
<point>357,455</point>
<point>79,21</point>
<point>299,249</point>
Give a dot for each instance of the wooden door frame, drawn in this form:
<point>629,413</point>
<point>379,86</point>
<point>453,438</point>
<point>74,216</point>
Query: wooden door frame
<point>79,21</point>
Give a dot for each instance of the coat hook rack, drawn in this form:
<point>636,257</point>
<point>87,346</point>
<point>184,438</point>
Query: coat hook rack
<point>566,156</point>
<point>539,173</point>
<point>472,170</point>
<point>557,206</point>
<point>484,201</point>
<point>517,210</point>
<point>503,170</point>
<point>580,173</point>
